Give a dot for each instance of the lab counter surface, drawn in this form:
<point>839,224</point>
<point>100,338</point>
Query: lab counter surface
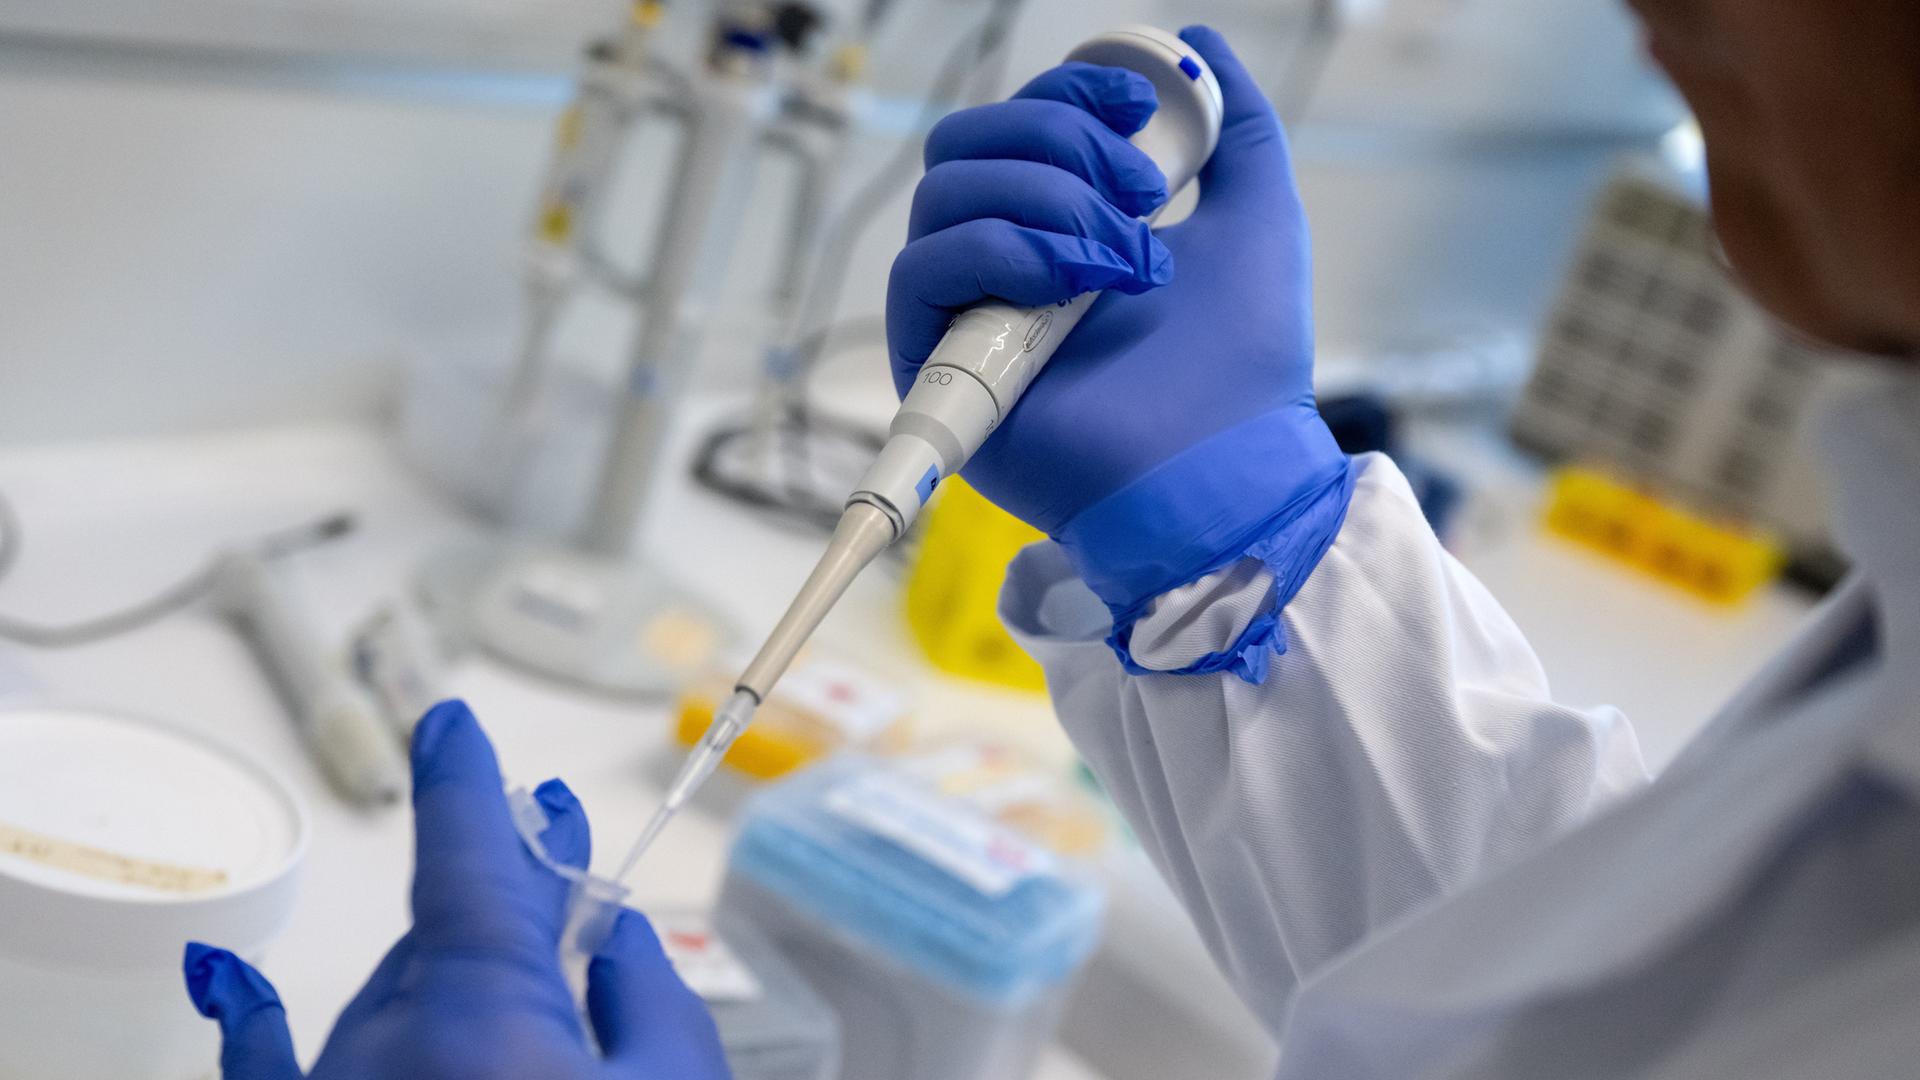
<point>106,522</point>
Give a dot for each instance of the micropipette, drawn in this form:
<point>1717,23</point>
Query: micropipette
<point>989,357</point>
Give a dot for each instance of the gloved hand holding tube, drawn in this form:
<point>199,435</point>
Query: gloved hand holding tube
<point>1175,431</point>
<point>475,989</point>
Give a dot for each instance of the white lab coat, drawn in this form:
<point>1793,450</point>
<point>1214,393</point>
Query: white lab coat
<point>1414,864</point>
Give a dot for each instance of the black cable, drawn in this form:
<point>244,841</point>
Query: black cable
<point>797,407</point>
<point>788,499</point>
<point>788,506</point>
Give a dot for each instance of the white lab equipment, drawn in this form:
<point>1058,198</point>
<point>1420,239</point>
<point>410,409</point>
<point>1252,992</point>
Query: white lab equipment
<point>788,457</point>
<point>401,664</point>
<point>591,612</point>
<point>248,585</point>
<point>121,839</point>
<point>1374,843</point>
<point>352,741</point>
<point>616,89</point>
<point>947,942</point>
<point>988,358</point>
<point>175,598</point>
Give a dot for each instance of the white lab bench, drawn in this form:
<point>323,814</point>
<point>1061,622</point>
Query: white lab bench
<point>107,522</point>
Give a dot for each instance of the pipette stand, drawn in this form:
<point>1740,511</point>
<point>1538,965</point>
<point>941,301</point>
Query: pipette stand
<point>594,613</point>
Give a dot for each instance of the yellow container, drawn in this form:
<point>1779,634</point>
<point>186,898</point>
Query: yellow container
<point>953,590</point>
<point>1718,562</point>
<point>820,708</point>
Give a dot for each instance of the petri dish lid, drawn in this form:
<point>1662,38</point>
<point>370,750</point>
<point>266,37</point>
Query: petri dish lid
<point>116,808</point>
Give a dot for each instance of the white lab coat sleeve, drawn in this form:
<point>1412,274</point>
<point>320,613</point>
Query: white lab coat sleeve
<point>1405,743</point>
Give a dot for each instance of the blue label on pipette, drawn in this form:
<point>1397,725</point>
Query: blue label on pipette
<point>1192,68</point>
<point>927,483</point>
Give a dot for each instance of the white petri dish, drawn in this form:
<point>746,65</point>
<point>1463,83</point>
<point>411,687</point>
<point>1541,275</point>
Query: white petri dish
<point>121,839</point>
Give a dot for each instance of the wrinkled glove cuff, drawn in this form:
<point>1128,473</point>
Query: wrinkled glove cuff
<point>1275,488</point>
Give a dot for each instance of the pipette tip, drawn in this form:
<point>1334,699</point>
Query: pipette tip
<point>728,722</point>
<point>647,837</point>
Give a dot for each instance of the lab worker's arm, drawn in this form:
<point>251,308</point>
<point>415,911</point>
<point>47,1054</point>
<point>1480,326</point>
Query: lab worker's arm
<point>1405,742</point>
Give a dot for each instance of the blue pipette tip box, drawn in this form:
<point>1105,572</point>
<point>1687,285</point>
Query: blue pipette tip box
<point>963,903</point>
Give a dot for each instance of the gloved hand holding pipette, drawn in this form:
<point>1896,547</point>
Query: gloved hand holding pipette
<point>1174,432</point>
<point>1088,148</point>
<point>475,989</point>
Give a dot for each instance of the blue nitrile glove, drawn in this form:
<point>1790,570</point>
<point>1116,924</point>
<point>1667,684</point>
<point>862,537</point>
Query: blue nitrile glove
<point>1175,431</point>
<point>474,991</point>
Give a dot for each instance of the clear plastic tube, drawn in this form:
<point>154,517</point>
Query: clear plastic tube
<point>594,903</point>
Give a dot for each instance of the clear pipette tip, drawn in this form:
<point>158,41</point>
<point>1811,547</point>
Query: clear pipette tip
<point>647,836</point>
<point>729,721</point>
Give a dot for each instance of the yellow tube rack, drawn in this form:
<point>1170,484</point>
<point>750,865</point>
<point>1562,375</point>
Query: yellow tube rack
<point>1715,561</point>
